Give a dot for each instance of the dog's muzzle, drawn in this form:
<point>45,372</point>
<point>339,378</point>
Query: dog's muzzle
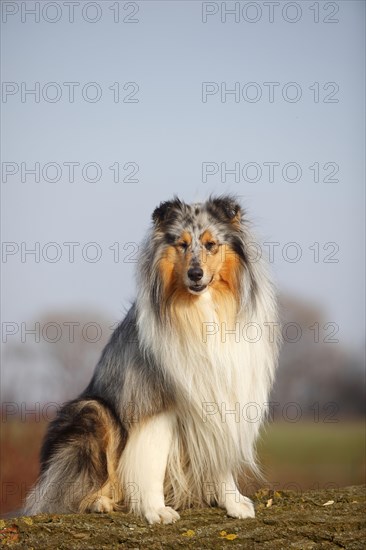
<point>195,275</point>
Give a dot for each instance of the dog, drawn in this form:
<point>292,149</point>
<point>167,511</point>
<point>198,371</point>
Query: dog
<point>165,422</point>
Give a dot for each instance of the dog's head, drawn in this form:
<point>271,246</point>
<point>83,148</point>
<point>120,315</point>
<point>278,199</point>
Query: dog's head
<point>201,245</point>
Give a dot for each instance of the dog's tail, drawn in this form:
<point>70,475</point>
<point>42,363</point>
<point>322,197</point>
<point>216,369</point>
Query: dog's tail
<point>79,460</point>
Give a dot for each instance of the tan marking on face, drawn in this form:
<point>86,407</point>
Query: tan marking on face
<point>229,270</point>
<point>185,238</point>
<point>209,258</point>
<point>209,242</point>
<point>184,257</point>
<point>174,264</point>
<point>167,266</point>
<point>207,237</point>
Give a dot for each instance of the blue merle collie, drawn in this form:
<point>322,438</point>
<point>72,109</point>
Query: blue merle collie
<point>171,415</point>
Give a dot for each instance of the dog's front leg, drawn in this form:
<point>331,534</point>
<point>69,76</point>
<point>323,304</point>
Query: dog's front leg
<point>142,468</point>
<point>236,504</point>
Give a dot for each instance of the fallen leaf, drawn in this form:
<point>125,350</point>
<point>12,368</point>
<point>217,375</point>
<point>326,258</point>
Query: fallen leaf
<point>189,533</point>
<point>28,520</point>
<point>9,534</point>
<point>230,536</point>
<point>328,503</point>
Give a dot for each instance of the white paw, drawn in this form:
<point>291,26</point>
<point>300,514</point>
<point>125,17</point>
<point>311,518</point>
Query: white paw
<point>102,505</point>
<point>161,515</point>
<point>242,509</point>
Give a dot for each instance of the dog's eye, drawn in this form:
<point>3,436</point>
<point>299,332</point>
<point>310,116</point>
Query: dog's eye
<point>210,245</point>
<point>183,246</point>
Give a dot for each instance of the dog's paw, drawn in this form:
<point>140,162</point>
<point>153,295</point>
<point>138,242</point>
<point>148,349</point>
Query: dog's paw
<point>242,509</point>
<point>161,515</point>
<point>102,505</point>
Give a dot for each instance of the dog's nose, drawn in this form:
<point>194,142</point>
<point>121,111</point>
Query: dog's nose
<point>195,274</point>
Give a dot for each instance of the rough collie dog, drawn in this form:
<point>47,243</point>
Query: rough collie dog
<point>171,415</point>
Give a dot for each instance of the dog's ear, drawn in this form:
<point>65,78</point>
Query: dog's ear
<point>226,208</point>
<point>165,211</point>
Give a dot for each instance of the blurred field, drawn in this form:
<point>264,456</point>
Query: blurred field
<point>297,456</point>
<point>308,455</point>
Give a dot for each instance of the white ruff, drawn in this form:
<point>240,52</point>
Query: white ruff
<point>217,377</point>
